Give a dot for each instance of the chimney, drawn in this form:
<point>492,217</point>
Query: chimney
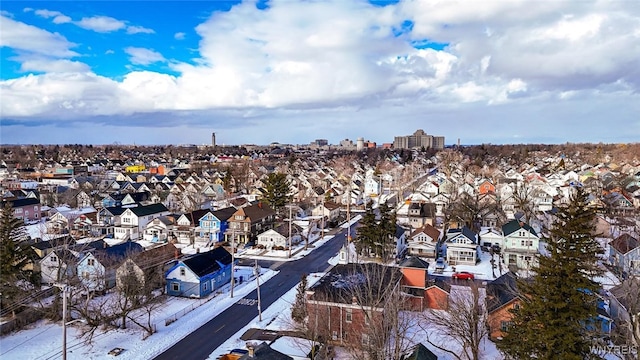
<point>260,204</point>
<point>251,348</point>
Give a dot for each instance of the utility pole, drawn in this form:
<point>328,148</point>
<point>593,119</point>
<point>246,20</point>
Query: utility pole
<point>257,272</point>
<point>290,221</point>
<point>64,322</point>
<point>233,258</point>
<point>322,230</point>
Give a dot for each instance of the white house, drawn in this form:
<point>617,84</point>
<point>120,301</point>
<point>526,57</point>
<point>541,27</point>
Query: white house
<point>423,242</point>
<point>461,247</point>
<point>58,265</point>
<point>521,244</point>
<point>134,219</point>
<point>157,230</point>
<point>490,236</point>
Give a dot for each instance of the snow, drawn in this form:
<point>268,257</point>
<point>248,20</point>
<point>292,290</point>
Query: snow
<point>43,339</point>
<point>481,271</point>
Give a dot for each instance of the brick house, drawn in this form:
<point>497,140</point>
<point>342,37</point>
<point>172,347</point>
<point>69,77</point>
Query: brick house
<point>348,305</point>
<point>502,297</point>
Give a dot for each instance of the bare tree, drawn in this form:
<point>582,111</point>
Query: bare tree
<point>627,329</point>
<point>461,328</point>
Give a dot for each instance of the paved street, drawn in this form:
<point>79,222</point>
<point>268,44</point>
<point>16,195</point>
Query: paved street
<point>202,342</point>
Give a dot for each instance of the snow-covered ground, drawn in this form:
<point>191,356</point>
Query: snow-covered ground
<point>481,270</point>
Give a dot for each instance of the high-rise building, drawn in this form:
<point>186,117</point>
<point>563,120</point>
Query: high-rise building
<point>419,139</point>
<point>213,139</point>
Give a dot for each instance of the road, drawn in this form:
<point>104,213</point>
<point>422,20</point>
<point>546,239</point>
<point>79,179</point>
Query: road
<point>202,342</point>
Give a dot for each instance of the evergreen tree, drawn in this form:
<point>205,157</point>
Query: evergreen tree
<point>15,254</point>
<point>556,320</point>
<point>376,235</point>
<point>366,232</point>
<point>299,308</point>
<point>276,190</point>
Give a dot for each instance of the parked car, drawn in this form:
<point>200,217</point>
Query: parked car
<point>440,265</point>
<point>496,248</point>
<point>463,275</point>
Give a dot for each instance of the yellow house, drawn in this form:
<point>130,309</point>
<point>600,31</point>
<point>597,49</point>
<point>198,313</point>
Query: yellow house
<point>135,168</point>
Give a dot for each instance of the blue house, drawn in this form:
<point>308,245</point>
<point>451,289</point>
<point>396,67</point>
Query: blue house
<point>199,275</point>
<point>96,269</point>
<point>208,228</point>
<point>223,215</point>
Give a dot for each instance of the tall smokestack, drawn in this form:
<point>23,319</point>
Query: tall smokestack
<point>213,139</point>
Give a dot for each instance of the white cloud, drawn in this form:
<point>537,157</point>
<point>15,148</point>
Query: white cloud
<point>179,36</point>
<point>102,24</point>
<point>58,17</point>
<point>142,56</point>
<point>5,13</point>
<point>53,66</point>
<point>345,60</point>
<point>23,37</point>
<point>109,52</point>
<point>139,30</point>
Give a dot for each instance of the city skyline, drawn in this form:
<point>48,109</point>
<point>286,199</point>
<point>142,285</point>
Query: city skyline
<point>289,71</point>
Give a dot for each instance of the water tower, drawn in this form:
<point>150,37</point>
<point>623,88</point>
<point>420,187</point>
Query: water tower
<point>360,143</point>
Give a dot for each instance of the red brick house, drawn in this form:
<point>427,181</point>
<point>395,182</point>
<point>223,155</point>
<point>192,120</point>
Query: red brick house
<point>502,296</point>
<point>347,306</point>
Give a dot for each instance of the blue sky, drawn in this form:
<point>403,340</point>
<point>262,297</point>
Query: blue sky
<point>162,72</point>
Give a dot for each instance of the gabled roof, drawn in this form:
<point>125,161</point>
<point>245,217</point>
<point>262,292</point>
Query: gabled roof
<point>440,284</point>
<point>501,291</point>
<point>258,212</point>
<point>22,202</point>
<point>156,256</point>
<point>345,281</point>
<point>265,352</point>
<point>428,229</point>
<point>420,352</point>
<point>149,209</point>
<point>414,262</point>
<point>206,263</point>
<point>464,231</point>
<point>515,225</point>
<point>224,214</point>
<point>624,243</point>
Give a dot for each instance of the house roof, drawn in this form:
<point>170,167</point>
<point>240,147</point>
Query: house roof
<point>420,352</point>
<point>22,202</point>
<point>265,352</point>
<point>440,284</point>
<point>428,229</point>
<point>346,281</point>
<point>206,263</point>
<point>624,243</point>
<point>149,209</point>
<point>195,216</point>
<point>515,225</point>
<point>156,256</point>
<point>465,231</point>
<point>414,262</point>
<point>115,254</point>
<point>501,291</point>
<point>224,214</point>
<point>258,211</point>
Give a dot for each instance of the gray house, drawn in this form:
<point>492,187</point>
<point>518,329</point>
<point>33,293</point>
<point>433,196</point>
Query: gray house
<point>624,253</point>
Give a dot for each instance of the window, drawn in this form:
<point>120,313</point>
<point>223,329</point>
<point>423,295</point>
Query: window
<point>505,325</point>
<point>205,286</point>
<point>349,315</point>
<point>527,243</point>
<point>334,335</point>
<point>175,286</point>
<point>365,339</point>
<point>183,272</point>
<point>516,306</point>
<point>85,274</point>
<point>91,262</point>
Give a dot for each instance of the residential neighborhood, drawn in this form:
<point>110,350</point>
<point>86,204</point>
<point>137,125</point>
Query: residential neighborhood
<point>176,223</point>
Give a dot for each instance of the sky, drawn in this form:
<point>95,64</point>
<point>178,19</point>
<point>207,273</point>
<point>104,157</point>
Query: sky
<point>292,71</point>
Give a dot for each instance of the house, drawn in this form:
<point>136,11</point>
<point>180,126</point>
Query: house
<point>278,237</point>
<point>461,246</point>
<point>133,220</point>
<point>502,296</point>
<point>59,265</point>
<point>624,254</point>
<point>421,213</point>
<point>158,230</point>
<point>520,246</point>
<point>329,209</point>
<point>623,305</point>
<point>247,222</point>
<point>223,215</point>
<point>148,266</point>
<point>421,292</point>
<point>347,302</point>
<point>200,274</point>
<point>26,209</point>
<point>490,237</point>
<point>424,242</point>
<point>486,187</point>
<point>97,268</point>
